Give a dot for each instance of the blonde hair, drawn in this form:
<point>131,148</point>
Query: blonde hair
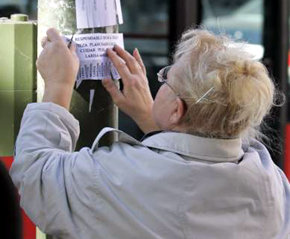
<point>242,92</point>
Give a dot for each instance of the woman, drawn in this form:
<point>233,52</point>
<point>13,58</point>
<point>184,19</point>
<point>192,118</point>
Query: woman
<point>194,179</point>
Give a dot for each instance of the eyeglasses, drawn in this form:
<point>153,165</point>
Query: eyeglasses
<point>162,78</point>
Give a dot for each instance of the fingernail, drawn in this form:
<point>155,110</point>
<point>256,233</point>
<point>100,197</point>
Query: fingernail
<point>137,51</point>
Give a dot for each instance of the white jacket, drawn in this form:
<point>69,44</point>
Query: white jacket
<point>170,186</point>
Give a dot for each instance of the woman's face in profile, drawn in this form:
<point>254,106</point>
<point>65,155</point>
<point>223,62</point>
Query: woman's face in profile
<point>164,105</point>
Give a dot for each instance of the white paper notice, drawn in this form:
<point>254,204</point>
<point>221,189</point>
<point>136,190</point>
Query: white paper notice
<point>98,13</point>
<point>91,50</point>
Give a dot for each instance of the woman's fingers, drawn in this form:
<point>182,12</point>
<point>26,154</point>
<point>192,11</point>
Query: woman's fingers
<point>53,35</point>
<point>131,62</point>
<point>120,65</point>
<point>113,90</point>
<point>43,41</point>
<point>138,58</point>
<point>73,48</point>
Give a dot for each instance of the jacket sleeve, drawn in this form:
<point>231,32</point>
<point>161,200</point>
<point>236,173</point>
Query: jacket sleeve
<point>46,170</point>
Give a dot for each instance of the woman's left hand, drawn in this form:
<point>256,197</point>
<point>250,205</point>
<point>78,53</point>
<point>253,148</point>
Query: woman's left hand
<point>135,100</point>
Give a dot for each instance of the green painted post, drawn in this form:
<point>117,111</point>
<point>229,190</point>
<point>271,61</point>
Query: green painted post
<point>17,76</point>
<point>61,14</point>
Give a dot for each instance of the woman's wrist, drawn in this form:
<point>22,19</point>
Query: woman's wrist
<point>60,94</point>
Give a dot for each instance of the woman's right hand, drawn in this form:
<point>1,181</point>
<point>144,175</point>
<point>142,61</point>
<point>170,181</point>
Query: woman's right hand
<point>58,65</point>
<point>135,100</point>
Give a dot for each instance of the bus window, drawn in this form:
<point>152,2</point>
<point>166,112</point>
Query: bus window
<point>147,30</point>
<point>242,20</point>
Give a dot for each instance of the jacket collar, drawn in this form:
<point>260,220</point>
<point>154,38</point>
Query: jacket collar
<point>210,149</point>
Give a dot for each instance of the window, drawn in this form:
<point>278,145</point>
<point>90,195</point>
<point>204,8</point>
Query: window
<point>146,27</point>
<point>242,21</point>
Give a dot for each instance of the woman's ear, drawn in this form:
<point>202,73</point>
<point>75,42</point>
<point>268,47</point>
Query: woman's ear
<point>178,112</point>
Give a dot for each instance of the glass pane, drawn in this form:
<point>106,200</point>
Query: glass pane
<point>146,28</point>
<point>8,7</point>
<point>242,20</point>
<point>154,53</point>
<point>148,17</point>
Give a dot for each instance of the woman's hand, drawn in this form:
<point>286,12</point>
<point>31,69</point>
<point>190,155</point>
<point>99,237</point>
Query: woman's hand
<point>58,66</point>
<point>135,100</point>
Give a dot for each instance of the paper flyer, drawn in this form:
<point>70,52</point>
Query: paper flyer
<point>98,13</point>
<point>91,50</point>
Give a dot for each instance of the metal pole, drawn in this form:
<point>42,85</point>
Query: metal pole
<point>62,15</point>
<point>183,14</point>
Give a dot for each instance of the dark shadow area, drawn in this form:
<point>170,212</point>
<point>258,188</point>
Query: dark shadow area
<point>10,226</point>
<point>7,10</point>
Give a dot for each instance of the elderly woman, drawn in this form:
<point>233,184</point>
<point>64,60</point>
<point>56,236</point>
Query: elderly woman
<point>202,175</point>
